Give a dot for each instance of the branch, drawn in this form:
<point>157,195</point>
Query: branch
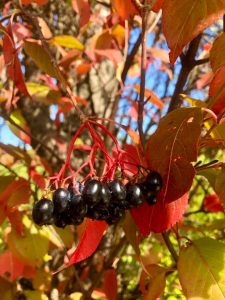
<point>145,13</point>
<point>188,63</point>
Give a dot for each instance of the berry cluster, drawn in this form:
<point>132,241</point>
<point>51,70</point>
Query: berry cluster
<point>96,200</point>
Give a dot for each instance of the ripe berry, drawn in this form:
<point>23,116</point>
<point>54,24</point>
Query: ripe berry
<point>61,220</point>
<point>61,198</point>
<point>118,191</point>
<point>104,195</point>
<point>91,192</point>
<point>134,195</point>
<point>154,181</point>
<point>151,198</point>
<point>42,213</point>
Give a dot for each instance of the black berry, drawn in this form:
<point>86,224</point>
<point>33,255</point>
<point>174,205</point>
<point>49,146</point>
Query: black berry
<point>91,192</point>
<point>42,213</point>
<point>151,198</point>
<point>61,198</point>
<point>154,181</point>
<point>134,195</point>
<point>104,195</point>
<point>118,192</point>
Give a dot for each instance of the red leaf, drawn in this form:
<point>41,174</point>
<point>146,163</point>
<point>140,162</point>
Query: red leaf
<point>212,203</point>
<point>158,5</point>
<point>125,8</point>
<point>184,20</point>
<point>37,178</point>
<point>89,242</point>
<point>82,8</point>
<point>12,61</point>
<point>159,217</point>
<point>11,266</point>
<point>110,284</point>
<point>217,91</point>
<point>172,148</point>
<point>16,219</point>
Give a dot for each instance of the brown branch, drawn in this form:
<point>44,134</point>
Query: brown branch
<point>169,245</point>
<point>145,13</point>
<point>188,63</point>
<point>130,58</point>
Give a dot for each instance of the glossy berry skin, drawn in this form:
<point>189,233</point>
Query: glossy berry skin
<point>154,181</point>
<point>151,198</point>
<point>134,195</point>
<point>118,192</point>
<point>61,198</point>
<point>61,220</point>
<point>104,195</point>
<point>91,192</point>
<point>42,212</point>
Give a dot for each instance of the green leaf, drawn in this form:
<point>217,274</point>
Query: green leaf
<point>201,269</point>
<point>40,57</point>
<point>68,42</point>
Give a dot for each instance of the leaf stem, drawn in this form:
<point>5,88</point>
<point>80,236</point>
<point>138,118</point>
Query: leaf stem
<point>169,245</point>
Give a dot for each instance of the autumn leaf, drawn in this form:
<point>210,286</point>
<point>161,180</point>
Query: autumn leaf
<point>67,41</point>
<point>157,5</point>
<point>18,118</point>
<point>207,281</point>
<point>217,58</point>
<point>157,283</point>
<point>110,284</point>
<point>40,57</point>
<point>90,240</point>
<point>151,96</point>
<point>12,62</point>
<point>212,203</point>
<point>217,91</point>
<point>82,8</point>
<point>184,20</point>
<point>159,217</point>
<point>10,266</point>
<point>172,148</point>
<point>125,8</point>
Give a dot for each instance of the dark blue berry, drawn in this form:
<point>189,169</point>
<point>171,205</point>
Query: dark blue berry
<point>42,212</point>
<point>61,198</point>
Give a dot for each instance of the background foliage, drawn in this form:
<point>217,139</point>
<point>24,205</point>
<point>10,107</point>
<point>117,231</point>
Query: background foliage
<point>153,73</point>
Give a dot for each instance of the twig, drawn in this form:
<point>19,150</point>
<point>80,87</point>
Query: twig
<point>188,63</point>
<point>145,13</point>
<point>169,245</point>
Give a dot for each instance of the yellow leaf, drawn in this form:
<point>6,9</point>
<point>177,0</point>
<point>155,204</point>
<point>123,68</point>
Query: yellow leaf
<point>30,248</point>
<point>18,118</point>
<point>68,42</point>
<point>40,57</point>
<point>35,295</point>
<point>184,20</point>
<point>192,101</point>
